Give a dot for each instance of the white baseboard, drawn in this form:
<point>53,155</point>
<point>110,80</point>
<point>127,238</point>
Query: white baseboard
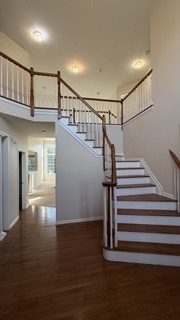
<point>13,222</point>
<point>169,195</point>
<point>152,175</point>
<point>2,235</point>
<point>79,220</point>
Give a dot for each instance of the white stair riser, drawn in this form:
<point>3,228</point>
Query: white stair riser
<point>127,181</point>
<point>127,164</point>
<point>132,172</point>
<point>73,128</point>
<point>149,205</point>
<point>65,120</point>
<point>149,220</point>
<point>81,136</point>
<point>134,191</point>
<point>148,237</point>
<point>144,258</point>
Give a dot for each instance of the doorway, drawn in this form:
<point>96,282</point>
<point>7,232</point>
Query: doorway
<point>22,178</point>
<point>42,171</point>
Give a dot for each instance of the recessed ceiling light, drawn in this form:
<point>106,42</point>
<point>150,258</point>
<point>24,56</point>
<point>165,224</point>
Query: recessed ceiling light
<point>75,69</point>
<point>99,70</point>
<point>138,64</point>
<point>98,93</point>
<point>38,36</point>
<point>44,132</point>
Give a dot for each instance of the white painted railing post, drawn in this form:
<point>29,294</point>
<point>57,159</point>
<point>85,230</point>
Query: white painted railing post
<point>111,217</point>
<point>105,217</point>
<point>115,219</point>
<point>178,189</point>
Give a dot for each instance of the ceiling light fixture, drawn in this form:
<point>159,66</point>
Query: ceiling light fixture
<point>138,64</point>
<point>43,131</point>
<point>75,69</point>
<point>38,36</point>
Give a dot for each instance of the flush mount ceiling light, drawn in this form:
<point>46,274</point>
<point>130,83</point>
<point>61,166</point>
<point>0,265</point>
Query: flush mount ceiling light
<point>38,36</point>
<point>138,64</point>
<point>75,69</point>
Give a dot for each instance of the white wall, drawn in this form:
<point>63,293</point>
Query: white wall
<point>13,50</point>
<point>115,135</point>
<point>36,145</point>
<point>78,180</point>
<point>153,134</point>
<point>15,142</point>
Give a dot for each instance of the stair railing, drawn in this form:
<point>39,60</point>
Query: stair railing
<point>109,108</point>
<point>176,178</point>
<point>138,100</point>
<point>48,90</point>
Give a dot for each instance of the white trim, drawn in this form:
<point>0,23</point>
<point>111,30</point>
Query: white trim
<point>75,136</point>
<point>14,222</point>
<point>143,258</point>
<point>148,237</point>
<point>149,205</point>
<point>150,220</point>
<point>79,220</point>
<point>2,235</point>
<point>139,115</point>
<point>169,195</point>
<point>153,177</point>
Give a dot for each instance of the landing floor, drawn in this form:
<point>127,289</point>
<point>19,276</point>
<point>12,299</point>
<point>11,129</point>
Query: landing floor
<point>44,195</point>
<point>53,272</point>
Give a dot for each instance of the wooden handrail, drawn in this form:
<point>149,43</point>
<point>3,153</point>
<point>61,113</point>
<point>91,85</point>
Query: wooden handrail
<point>45,74</point>
<point>81,99</point>
<point>113,181</point>
<point>137,85</point>
<point>175,158</point>
<point>14,62</point>
<point>93,99</point>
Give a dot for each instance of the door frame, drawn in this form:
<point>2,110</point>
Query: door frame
<point>24,176</point>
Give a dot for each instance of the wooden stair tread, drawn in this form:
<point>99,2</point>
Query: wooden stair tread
<point>156,248</point>
<point>134,176</point>
<point>134,168</point>
<point>84,132</point>
<point>97,147</point>
<point>127,160</point>
<point>145,197</point>
<point>72,124</point>
<point>144,212</point>
<point>89,140</point>
<point>145,185</point>
<point>149,228</point>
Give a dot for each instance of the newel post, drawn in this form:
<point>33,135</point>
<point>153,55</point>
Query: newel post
<point>104,129</point>
<point>32,91</point>
<point>122,113</point>
<point>59,94</point>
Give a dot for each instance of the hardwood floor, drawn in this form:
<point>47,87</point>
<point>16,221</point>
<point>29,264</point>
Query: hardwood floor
<point>58,272</point>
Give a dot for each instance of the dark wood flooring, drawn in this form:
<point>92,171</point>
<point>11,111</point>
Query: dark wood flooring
<point>58,272</point>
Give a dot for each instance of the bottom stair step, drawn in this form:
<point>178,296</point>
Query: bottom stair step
<point>145,253</point>
<point>167,249</point>
<point>142,257</point>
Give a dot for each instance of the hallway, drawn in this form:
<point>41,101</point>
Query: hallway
<point>44,195</point>
<point>51,272</point>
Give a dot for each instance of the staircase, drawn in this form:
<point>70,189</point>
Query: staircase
<point>146,223</point>
<point>140,224</point>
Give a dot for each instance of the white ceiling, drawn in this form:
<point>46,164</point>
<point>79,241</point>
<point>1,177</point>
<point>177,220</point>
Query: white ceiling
<point>30,128</point>
<point>92,34</point>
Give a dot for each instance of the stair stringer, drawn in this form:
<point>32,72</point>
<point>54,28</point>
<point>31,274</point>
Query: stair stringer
<point>64,124</point>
